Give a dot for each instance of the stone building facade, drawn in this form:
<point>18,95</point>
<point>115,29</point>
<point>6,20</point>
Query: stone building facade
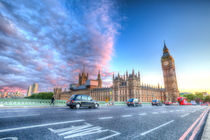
<point>101,94</point>
<point>129,86</point>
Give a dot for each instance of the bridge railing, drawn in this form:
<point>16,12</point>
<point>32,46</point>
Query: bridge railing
<point>43,102</point>
<point>28,102</point>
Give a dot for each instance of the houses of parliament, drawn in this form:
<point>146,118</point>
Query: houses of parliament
<point>127,86</point>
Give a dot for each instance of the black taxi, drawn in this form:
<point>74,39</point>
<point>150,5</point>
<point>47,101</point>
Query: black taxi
<point>79,100</point>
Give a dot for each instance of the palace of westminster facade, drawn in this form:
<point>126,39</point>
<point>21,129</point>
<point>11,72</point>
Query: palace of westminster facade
<point>127,86</point>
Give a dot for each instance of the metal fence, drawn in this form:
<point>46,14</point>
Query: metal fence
<point>29,102</point>
<point>42,102</point>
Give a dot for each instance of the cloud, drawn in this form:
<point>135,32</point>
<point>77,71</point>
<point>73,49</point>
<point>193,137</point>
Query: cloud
<point>49,41</point>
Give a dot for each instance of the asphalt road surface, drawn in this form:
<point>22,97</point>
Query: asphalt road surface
<point>113,123</point>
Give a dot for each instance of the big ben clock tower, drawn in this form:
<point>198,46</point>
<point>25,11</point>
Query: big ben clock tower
<point>169,75</point>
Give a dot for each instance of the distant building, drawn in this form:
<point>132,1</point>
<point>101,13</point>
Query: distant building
<point>29,91</point>
<point>5,94</point>
<point>35,88</point>
<point>85,83</point>
<point>1,94</point>
<point>204,93</point>
<point>185,93</point>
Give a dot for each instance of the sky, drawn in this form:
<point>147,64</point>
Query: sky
<point>49,42</point>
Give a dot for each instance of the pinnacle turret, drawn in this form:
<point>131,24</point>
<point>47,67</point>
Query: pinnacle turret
<point>165,49</point>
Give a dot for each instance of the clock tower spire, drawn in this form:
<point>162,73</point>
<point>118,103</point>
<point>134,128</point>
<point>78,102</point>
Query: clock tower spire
<point>169,75</point>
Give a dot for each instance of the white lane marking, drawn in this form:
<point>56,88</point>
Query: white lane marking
<point>132,108</point>
<point>146,132</point>
<point>75,129</point>
<point>10,138</point>
<point>154,112</point>
<point>163,111</point>
<point>105,118</point>
<point>193,111</point>
<point>185,115</point>
<point>91,111</point>
<point>20,116</point>
<point>125,116</point>
<point>40,125</point>
<point>171,111</point>
<point>69,128</point>
<point>110,136</point>
<point>82,130</point>
<point>13,111</point>
<point>142,114</point>
<point>86,132</point>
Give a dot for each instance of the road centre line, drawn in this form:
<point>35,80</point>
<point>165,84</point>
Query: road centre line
<point>146,132</point>
<point>40,125</point>
<point>182,116</point>
<point>13,111</point>
<point>92,111</point>
<point>105,118</point>
<point>193,111</point>
<point>142,114</point>
<point>20,116</point>
<point>154,112</point>
<point>125,116</point>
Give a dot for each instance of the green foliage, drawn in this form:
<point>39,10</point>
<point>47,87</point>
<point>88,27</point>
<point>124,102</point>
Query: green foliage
<point>41,95</point>
<point>199,96</point>
<point>207,98</point>
<point>189,97</point>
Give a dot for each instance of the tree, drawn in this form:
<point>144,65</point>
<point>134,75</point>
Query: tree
<point>207,98</point>
<point>41,95</point>
<point>189,97</point>
<point>199,97</point>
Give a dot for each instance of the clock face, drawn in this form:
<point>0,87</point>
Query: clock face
<point>165,63</point>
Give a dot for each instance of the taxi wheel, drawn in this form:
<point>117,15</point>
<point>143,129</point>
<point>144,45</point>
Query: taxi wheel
<point>71,107</point>
<point>96,105</point>
<point>77,106</point>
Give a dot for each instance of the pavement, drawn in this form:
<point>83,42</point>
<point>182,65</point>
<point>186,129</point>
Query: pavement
<point>113,122</point>
<point>206,132</point>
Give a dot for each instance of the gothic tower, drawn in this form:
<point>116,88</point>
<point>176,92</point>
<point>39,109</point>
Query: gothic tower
<point>99,80</point>
<point>169,75</point>
<point>82,78</point>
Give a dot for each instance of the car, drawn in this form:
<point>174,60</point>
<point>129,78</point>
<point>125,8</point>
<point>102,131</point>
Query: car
<point>168,103</point>
<point>204,104</point>
<point>193,102</point>
<point>133,102</point>
<point>79,100</point>
<point>156,102</point>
